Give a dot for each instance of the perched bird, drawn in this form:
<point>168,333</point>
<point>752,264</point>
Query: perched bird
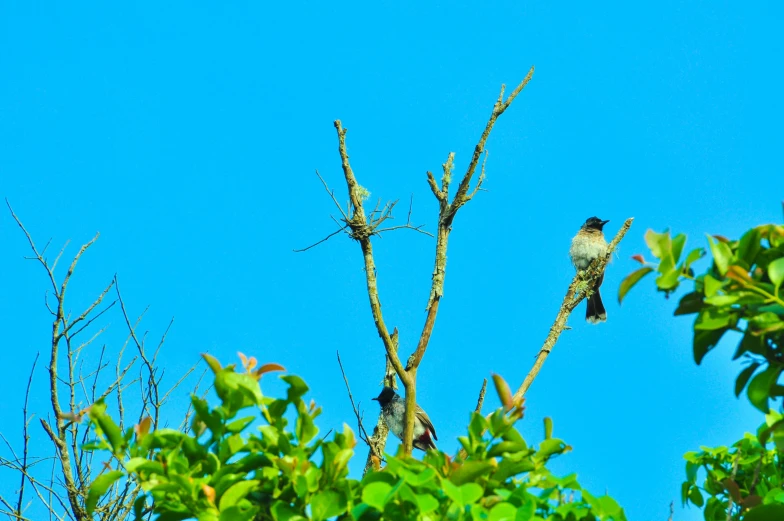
<point>394,409</point>
<point>587,245</point>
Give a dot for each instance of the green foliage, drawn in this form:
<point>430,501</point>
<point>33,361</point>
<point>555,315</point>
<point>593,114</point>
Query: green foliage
<point>253,457</point>
<point>739,292</point>
<point>747,479</point>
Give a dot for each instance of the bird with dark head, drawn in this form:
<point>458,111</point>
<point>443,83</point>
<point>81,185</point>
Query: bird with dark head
<point>393,408</point>
<point>587,245</point>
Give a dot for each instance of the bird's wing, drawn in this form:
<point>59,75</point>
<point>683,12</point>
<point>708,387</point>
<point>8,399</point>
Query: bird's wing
<point>422,416</point>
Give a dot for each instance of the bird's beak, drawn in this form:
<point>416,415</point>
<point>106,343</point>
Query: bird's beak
<point>376,399</point>
<point>605,222</point>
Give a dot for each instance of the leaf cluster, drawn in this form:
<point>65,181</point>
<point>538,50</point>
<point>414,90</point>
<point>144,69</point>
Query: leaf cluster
<point>745,480</point>
<point>740,292</point>
<point>254,457</point>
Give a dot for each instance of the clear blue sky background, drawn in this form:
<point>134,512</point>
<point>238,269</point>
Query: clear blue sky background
<point>188,135</point>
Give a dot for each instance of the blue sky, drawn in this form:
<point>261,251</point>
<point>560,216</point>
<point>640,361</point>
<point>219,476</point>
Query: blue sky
<point>188,135</point>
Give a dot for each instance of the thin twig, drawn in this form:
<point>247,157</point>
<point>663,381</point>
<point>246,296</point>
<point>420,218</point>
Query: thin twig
<point>322,240</point>
<point>572,298</point>
<point>362,432</point>
<point>332,195</point>
<point>462,453</point>
<point>364,227</point>
<point>25,437</point>
<point>732,479</point>
<point>481,399</point>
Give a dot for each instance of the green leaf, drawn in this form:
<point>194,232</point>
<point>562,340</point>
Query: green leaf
<point>696,496</point>
<point>743,377</point>
<point>765,513</point>
<point>690,303</point>
<point>722,300</point>
<point>502,512</point>
<point>549,447</point>
<point>713,318</point>
<point>138,507</point>
<point>99,487</point>
<point>239,425</point>
<point>212,362</point>
<point>712,285</point>
<point>693,256</point>
<point>453,492</point>
<point>759,388</point>
<point>704,341</point>
<point>527,510</point>
<point>426,503</point>
<point>750,344</point>
<point>505,447</point>
<point>471,493</point>
<point>114,435</point>
<point>470,470</point>
<point>630,281</point>
<point>548,427</point>
<point>677,246</point>
<point>376,494</point>
<point>668,280</point>
<point>305,428</point>
<point>478,425</point>
<point>776,271</point>
<point>609,505</point>
<point>297,386</point>
<point>722,254</point>
<point>282,511</point>
<point>504,393</point>
<point>691,472</point>
<point>236,492</point>
<point>749,246</point>
<point>326,504</point>
<point>243,511</point>
<point>660,244</point>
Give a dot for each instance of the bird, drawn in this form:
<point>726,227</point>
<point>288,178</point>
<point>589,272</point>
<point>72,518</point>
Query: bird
<point>393,408</point>
<point>587,245</point>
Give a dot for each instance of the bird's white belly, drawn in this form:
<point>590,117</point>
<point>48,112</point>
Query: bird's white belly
<point>586,249</point>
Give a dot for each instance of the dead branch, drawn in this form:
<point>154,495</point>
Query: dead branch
<point>462,453</point>
<point>583,279</point>
<point>25,439</point>
<point>363,435</point>
<point>63,491</point>
<point>364,226</point>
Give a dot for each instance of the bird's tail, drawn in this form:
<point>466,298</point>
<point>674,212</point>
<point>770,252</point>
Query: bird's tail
<point>594,312</point>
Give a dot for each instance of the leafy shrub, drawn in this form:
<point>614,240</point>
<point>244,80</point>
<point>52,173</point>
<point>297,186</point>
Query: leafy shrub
<point>740,292</point>
<point>224,469</point>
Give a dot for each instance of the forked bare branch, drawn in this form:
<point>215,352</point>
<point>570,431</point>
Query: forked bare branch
<point>364,226</point>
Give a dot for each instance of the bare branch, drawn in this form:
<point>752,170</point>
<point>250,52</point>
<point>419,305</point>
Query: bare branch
<point>462,453</point>
<point>25,438</point>
<point>572,298</point>
<point>358,224</point>
<point>322,240</point>
<point>500,107</point>
<point>481,399</point>
<point>89,310</point>
<point>363,228</point>
<point>362,432</point>
<point>332,195</point>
